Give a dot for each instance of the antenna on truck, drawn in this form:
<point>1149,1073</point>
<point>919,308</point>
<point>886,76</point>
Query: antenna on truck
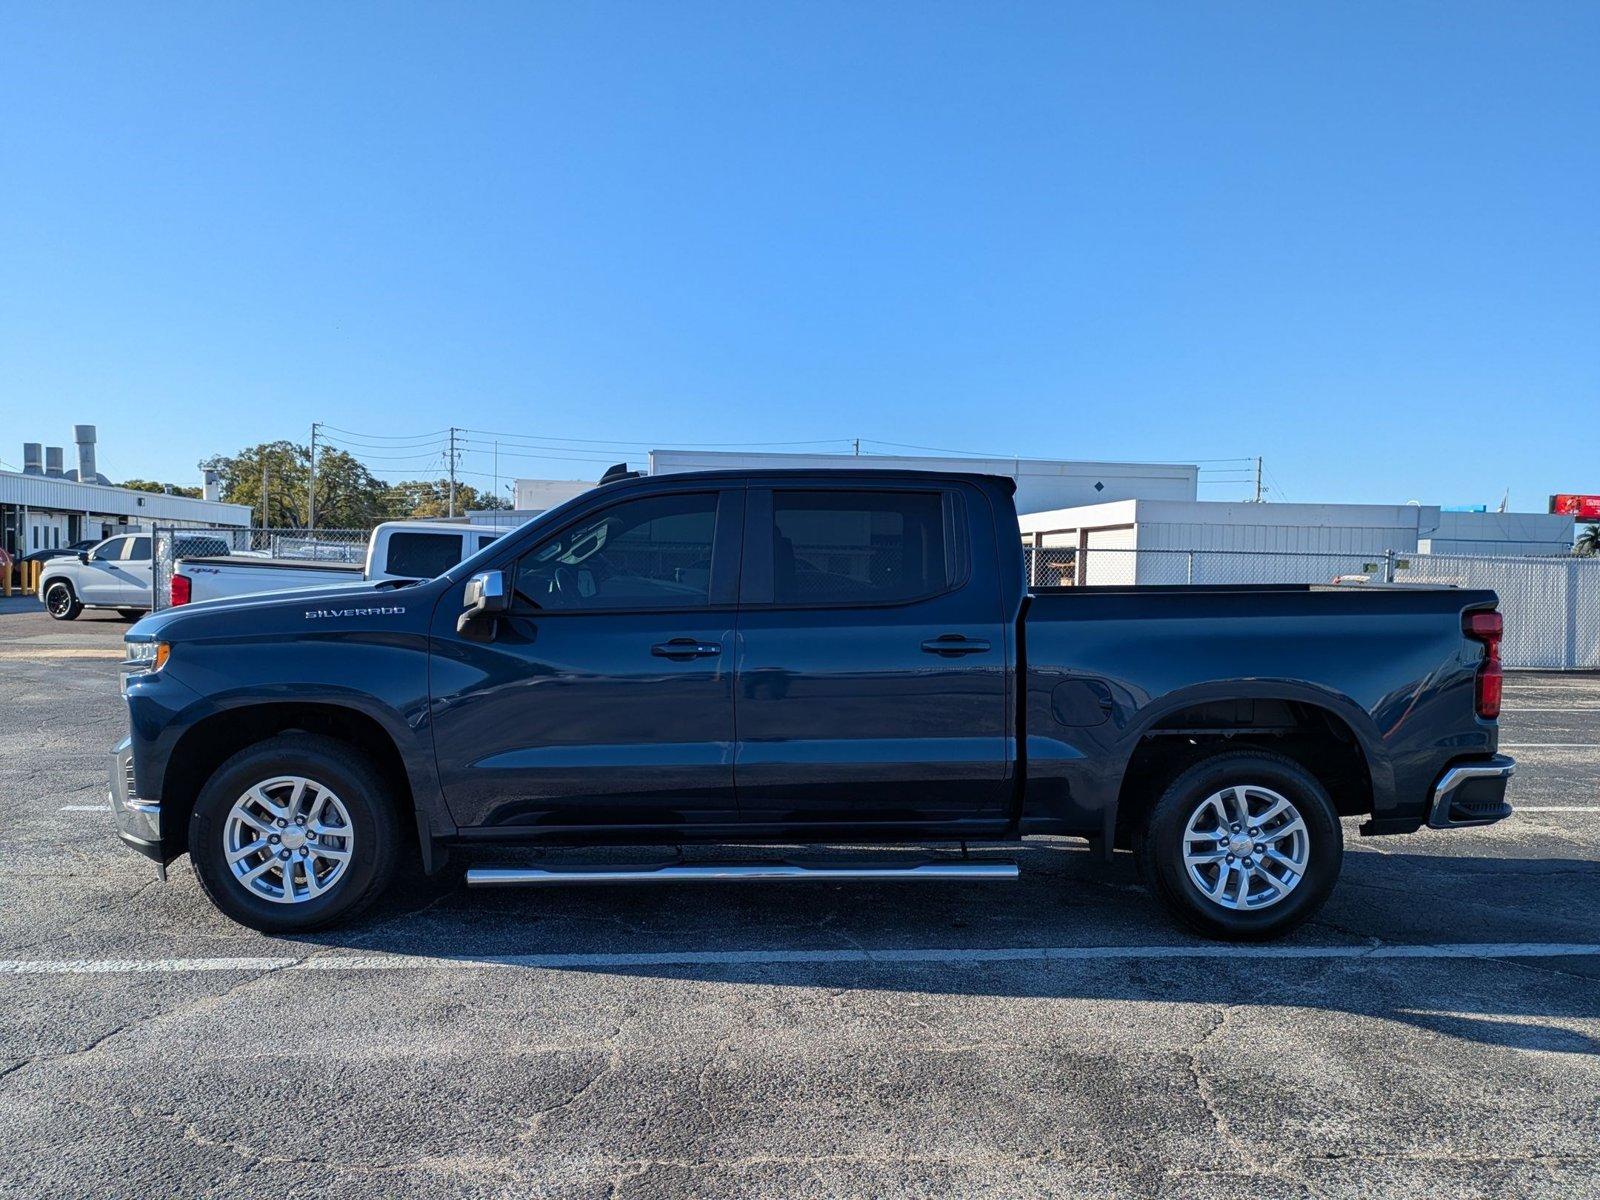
<point>620,471</point>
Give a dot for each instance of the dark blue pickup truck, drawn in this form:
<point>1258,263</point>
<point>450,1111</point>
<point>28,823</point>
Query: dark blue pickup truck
<point>816,658</point>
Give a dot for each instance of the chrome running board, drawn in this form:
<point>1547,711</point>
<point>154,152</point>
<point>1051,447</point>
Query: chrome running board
<point>730,873</point>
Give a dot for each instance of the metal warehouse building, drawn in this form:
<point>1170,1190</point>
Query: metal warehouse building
<point>1042,483</point>
<point>45,507</point>
<point>1213,541</point>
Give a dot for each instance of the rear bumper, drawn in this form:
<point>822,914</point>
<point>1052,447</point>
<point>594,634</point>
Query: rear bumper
<point>1472,794</point>
<point>1466,794</point>
<point>138,820</point>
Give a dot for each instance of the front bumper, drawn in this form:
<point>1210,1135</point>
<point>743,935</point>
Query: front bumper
<point>1472,794</point>
<point>138,820</point>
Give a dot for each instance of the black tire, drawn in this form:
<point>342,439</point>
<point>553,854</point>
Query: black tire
<point>130,614</point>
<point>1160,845</point>
<point>357,783</point>
<point>60,601</point>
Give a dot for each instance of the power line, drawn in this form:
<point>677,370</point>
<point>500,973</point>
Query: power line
<point>659,444</point>
<point>387,437</point>
<point>984,454</point>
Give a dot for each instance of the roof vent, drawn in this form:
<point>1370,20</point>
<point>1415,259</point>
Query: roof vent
<point>32,458</point>
<point>84,436</point>
<point>53,462</point>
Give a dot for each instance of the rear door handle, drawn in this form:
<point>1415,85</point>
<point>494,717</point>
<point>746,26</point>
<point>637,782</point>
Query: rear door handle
<point>953,645</point>
<point>686,648</point>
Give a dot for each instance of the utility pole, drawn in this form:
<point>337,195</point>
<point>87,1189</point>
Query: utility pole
<point>1259,488</point>
<point>263,491</point>
<point>858,447</point>
<point>496,492</point>
<point>452,470</point>
<point>311,504</point>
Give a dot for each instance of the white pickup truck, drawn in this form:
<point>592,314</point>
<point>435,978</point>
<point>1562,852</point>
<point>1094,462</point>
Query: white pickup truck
<point>397,550</point>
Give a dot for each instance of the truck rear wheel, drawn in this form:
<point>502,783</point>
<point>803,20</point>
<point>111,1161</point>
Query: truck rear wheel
<point>294,834</point>
<point>61,602</point>
<point>1245,845</point>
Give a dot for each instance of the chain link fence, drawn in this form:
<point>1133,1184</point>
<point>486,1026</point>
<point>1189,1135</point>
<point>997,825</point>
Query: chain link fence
<point>1551,605</point>
<point>293,545</point>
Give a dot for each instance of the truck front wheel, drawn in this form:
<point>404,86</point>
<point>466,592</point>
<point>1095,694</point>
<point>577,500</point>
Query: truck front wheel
<point>61,602</point>
<point>1243,845</point>
<point>294,833</point>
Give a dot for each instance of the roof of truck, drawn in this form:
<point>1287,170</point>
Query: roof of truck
<point>843,474</point>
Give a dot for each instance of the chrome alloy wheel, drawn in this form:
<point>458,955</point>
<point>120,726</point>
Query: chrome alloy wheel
<point>1246,847</point>
<point>288,839</point>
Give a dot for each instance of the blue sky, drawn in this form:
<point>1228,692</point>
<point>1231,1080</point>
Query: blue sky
<point>1362,240</point>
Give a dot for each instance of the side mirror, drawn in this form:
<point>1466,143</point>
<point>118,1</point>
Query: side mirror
<point>486,598</point>
<point>83,556</point>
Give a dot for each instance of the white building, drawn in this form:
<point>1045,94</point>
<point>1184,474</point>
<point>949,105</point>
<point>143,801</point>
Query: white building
<point>1499,533</point>
<point>1212,541</point>
<point>533,496</point>
<point>1042,483</point>
<point>45,507</point>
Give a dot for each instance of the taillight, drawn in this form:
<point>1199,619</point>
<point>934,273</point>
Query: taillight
<point>180,589</point>
<point>1486,626</point>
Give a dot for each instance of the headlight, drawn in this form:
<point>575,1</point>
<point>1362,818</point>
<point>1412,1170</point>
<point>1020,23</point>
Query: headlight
<point>147,656</point>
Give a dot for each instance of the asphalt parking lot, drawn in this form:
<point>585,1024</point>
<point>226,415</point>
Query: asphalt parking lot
<point>1434,1033</point>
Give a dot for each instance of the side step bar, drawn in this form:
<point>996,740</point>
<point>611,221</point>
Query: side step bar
<point>719,873</point>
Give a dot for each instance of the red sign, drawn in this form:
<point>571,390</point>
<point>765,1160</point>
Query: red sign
<point>1579,508</point>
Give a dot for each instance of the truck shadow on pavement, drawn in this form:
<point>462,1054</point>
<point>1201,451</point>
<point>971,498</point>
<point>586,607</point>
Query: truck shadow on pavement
<point>940,939</point>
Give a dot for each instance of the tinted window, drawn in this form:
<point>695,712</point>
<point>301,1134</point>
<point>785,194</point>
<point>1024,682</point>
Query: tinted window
<point>653,552</point>
<point>139,549</point>
<point>113,549</point>
<point>485,539</point>
<point>423,555</point>
<point>857,547</point>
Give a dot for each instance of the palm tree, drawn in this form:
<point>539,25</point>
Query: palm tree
<point>1588,541</point>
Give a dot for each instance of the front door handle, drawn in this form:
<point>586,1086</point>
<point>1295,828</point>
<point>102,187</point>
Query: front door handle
<point>953,645</point>
<point>686,648</point>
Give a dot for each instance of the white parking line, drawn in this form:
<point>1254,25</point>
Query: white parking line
<point>86,808</point>
<point>1521,808</point>
<point>1550,746</point>
<point>745,958</point>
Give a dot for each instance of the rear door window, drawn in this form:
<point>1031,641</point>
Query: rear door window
<point>422,555</point>
<point>138,549</point>
<point>866,547</point>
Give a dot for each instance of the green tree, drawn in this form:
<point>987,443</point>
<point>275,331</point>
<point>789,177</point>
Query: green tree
<point>348,495</point>
<point>171,489</point>
<point>1588,541</point>
<point>431,498</point>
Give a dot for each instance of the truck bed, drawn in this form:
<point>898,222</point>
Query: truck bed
<point>289,564</point>
<point>1387,666</point>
